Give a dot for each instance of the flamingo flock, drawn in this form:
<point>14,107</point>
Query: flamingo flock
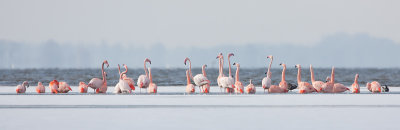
<point>228,84</point>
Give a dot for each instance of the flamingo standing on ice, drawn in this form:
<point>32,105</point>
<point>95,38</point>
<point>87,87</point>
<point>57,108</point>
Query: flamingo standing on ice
<point>190,88</point>
<point>143,80</point>
<point>304,87</point>
<point>220,58</point>
<point>238,85</point>
<point>152,86</point>
<point>82,87</point>
<point>123,85</point>
<point>283,84</point>
<point>374,87</point>
<point>266,81</point>
<point>40,88</point>
<point>22,87</point>
<point>199,79</point>
<point>98,85</point>
<point>63,87</point>
<point>53,86</point>
<point>355,87</point>
<point>228,82</point>
<point>206,87</point>
<point>316,84</point>
<point>250,89</point>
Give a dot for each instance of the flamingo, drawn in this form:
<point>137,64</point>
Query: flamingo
<point>206,87</point>
<point>316,84</point>
<point>199,79</point>
<point>250,89</point>
<point>152,86</point>
<point>330,83</point>
<point>238,85</point>
<point>127,79</point>
<point>64,87</point>
<point>190,88</point>
<point>220,58</point>
<point>98,85</point>
<point>355,87</point>
<point>143,80</point>
<point>22,87</point>
<point>82,87</point>
<point>266,81</point>
<point>337,87</point>
<point>283,84</point>
<point>228,82</point>
<point>123,85</point>
<point>53,86</point>
<point>40,88</point>
<point>304,87</point>
<point>374,87</point>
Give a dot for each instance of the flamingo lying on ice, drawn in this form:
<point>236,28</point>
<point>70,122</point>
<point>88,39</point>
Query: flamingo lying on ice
<point>53,86</point>
<point>266,81</point>
<point>228,82</point>
<point>355,87</point>
<point>22,87</point>
<point>40,88</point>
<point>126,78</point>
<point>304,87</point>
<point>190,88</point>
<point>143,80</point>
<point>374,87</point>
<point>338,87</point>
<point>316,84</point>
<point>123,85</point>
<point>98,85</point>
<point>63,87</point>
<point>152,86</point>
<point>82,87</point>
<point>329,85</point>
<point>250,89</point>
<point>238,85</point>
<point>206,87</point>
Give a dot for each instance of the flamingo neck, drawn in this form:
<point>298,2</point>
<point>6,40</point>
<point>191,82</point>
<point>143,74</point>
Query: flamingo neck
<point>333,75</point>
<point>119,69</point>
<point>150,77</point>
<point>187,77</point>
<point>312,74</point>
<point>190,69</point>
<point>356,79</point>
<point>222,66</point>
<point>229,62</point>
<point>237,73</point>
<point>145,69</point>
<point>283,73</point>
<point>269,68</point>
<point>102,73</point>
<point>204,71</point>
<point>298,75</point>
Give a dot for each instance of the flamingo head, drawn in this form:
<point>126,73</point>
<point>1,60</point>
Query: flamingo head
<point>282,64</point>
<point>25,84</point>
<point>357,76</point>
<point>297,66</point>
<point>230,54</point>
<point>186,59</point>
<point>270,56</point>
<point>204,66</point>
<point>328,79</point>
<point>147,60</point>
<point>237,64</point>
<point>106,62</point>
<point>219,56</point>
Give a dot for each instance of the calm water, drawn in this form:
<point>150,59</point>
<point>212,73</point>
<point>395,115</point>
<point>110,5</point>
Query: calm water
<point>176,77</point>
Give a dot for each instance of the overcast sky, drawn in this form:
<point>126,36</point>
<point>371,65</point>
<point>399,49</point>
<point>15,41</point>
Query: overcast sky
<point>192,23</point>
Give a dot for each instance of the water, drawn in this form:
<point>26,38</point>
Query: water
<point>176,77</point>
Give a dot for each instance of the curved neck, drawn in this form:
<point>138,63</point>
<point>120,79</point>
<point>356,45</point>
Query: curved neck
<point>187,77</point>
<point>145,69</point>
<point>312,74</point>
<point>269,68</point>
<point>126,71</point>
<point>203,70</point>
<point>237,73</point>
<point>298,74</point>
<point>333,75</point>
<point>283,73</point>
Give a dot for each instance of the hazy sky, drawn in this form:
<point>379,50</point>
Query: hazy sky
<point>195,23</point>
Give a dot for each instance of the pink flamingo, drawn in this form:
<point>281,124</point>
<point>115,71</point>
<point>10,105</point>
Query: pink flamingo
<point>64,87</point>
<point>250,89</point>
<point>220,58</point>
<point>337,87</point>
<point>82,87</point>
<point>143,80</point>
<point>98,85</point>
<point>355,87</point>
<point>152,86</point>
<point>283,84</point>
<point>374,87</point>
<point>266,81</point>
<point>40,88</point>
<point>199,79</point>
<point>123,85</point>
<point>189,87</point>
<point>206,87</point>
<point>130,81</point>
<point>22,88</point>
<point>330,83</point>
<point>228,82</point>
<point>53,86</point>
<point>316,84</point>
<point>304,87</point>
<point>238,85</point>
